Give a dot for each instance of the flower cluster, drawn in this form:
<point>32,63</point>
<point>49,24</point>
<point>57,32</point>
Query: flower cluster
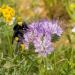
<point>40,35</point>
<point>7,12</point>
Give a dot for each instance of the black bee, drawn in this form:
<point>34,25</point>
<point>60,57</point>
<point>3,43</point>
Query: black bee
<point>19,31</point>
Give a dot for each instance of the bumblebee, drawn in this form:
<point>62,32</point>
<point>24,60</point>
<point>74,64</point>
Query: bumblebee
<point>19,31</point>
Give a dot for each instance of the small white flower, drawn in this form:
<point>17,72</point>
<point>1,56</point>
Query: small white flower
<point>73,30</point>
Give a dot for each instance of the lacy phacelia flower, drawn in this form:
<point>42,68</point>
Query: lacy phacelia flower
<point>40,35</point>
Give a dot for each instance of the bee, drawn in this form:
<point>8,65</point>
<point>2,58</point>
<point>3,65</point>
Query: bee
<point>19,31</point>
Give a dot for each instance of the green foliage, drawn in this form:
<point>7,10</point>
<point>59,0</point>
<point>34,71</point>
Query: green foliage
<point>70,7</point>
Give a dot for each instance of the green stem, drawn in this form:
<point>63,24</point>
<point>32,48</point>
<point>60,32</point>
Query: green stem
<point>9,42</point>
<point>43,66</point>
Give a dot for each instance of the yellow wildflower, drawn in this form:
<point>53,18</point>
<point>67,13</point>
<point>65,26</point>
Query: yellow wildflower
<point>7,12</point>
<point>12,12</point>
<point>8,18</point>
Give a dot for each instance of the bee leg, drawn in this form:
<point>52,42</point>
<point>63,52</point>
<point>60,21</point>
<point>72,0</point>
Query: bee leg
<point>13,37</point>
<point>16,51</point>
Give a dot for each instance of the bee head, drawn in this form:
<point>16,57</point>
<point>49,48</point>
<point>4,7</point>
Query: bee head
<point>24,27</point>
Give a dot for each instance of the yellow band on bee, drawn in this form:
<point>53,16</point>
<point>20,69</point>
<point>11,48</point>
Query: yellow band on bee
<point>20,23</point>
<point>16,38</point>
<point>22,46</point>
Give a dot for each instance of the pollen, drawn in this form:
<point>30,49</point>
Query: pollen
<point>16,38</point>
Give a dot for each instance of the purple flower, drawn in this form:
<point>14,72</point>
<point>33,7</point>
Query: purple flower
<point>40,33</point>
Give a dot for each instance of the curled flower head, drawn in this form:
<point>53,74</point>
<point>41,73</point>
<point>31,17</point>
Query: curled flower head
<point>40,35</point>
